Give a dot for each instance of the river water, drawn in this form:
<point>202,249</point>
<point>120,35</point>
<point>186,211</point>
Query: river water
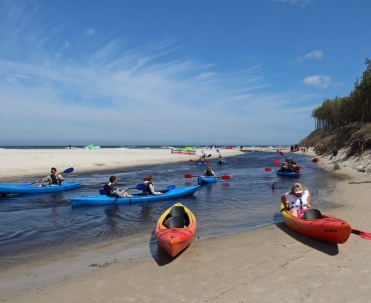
<point>38,226</point>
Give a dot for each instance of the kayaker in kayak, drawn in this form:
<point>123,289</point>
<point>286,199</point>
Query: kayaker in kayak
<point>209,172</point>
<point>150,188</point>
<point>288,168</point>
<point>221,157</point>
<point>297,200</point>
<point>54,178</point>
<point>112,190</point>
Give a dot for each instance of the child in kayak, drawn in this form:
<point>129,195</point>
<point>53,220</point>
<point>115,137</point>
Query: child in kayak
<point>297,200</point>
<point>150,188</point>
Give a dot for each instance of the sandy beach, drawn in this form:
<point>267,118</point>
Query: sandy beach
<point>269,264</point>
<point>37,162</point>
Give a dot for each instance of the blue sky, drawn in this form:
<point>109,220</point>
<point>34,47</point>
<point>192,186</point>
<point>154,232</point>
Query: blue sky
<point>196,72</point>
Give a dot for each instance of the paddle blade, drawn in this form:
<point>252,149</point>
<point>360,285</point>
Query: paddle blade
<point>209,155</point>
<point>141,186</point>
<point>188,176</point>
<point>169,187</point>
<point>225,177</point>
<point>68,170</point>
<point>190,160</point>
<point>281,153</point>
<point>275,162</point>
<point>362,234</point>
<point>217,150</point>
<point>267,169</point>
<point>207,160</point>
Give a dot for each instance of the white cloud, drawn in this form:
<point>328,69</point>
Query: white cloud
<point>318,81</point>
<point>100,91</point>
<point>317,54</point>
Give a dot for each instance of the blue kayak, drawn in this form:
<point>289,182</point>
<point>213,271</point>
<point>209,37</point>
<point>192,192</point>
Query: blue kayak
<point>200,163</point>
<point>205,180</point>
<point>6,189</point>
<point>103,199</point>
<point>288,174</point>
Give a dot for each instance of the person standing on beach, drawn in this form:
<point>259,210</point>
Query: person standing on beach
<point>54,178</point>
<point>112,190</point>
<point>297,200</point>
<point>209,172</point>
<point>150,188</point>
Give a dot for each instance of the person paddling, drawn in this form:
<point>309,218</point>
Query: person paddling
<point>209,172</point>
<point>54,178</point>
<point>150,188</point>
<point>112,190</point>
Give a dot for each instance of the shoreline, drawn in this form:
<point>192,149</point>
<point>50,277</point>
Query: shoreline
<point>37,162</point>
<point>251,266</point>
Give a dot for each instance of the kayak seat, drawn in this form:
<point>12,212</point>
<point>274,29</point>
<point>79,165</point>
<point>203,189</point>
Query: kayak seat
<point>175,222</point>
<point>177,211</point>
<point>312,214</point>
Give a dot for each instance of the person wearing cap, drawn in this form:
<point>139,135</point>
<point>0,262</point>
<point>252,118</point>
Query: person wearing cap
<point>297,200</point>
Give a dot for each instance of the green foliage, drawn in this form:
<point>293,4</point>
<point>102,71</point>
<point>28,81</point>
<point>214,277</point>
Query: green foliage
<point>336,166</point>
<point>356,107</point>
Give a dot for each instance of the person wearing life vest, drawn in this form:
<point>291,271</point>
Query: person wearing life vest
<point>54,178</point>
<point>150,188</point>
<point>297,200</point>
<point>209,172</point>
<point>112,190</point>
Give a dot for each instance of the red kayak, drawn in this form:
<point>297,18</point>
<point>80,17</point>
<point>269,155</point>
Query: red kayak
<point>318,225</point>
<point>175,229</point>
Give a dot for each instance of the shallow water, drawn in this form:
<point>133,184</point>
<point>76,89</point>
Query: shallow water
<point>38,226</point>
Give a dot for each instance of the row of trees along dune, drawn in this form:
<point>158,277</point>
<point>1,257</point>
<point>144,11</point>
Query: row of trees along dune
<point>341,111</point>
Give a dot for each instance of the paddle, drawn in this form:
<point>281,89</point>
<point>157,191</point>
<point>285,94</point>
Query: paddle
<point>267,169</point>
<point>188,176</point>
<point>362,234</point>
<point>167,188</point>
<point>66,171</point>
<point>279,163</point>
<point>139,187</point>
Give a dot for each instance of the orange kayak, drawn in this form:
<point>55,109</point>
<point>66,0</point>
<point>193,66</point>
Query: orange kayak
<point>317,225</point>
<point>175,229</point>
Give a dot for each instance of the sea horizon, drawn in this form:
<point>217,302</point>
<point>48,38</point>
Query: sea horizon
<point>139,146</point>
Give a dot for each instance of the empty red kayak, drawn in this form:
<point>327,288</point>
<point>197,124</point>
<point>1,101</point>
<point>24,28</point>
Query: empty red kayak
<point>175,229</point>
